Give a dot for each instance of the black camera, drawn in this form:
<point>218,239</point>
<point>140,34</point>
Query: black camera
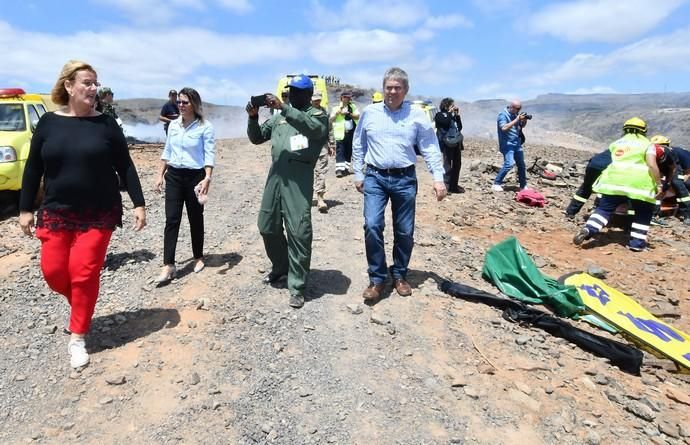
<point>526,116</point>
<point>258,101</point>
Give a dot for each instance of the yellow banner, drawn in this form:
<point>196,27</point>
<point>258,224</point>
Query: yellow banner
<point>627,315</point>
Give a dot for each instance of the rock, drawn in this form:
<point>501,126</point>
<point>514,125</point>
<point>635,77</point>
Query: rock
<point>194,379</point>
<point>524,400</point>
<point>683,430</point>
<point>601,379</point>
<point>587,383</point>
<point>640,410</point>
<point>548,389</point>
<point>49,330</point>
<point>670,429</point>
<point>471,391</point>
<point>523,387</point>
<point>19,378</point>
<point>191,324</point>
<point>540,262</point>
<point>458,381</point>
<point>522,339</point>
<point>68,426</point>
<point>115,379</point>
<point>596,271</point>
<point>106,400</point>
<point>267,427</point>
<point>377,318</point>
<point>354,309</point>
<point>593,438</point>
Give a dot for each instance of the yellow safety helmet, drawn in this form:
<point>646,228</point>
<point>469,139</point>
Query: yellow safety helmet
<point>661,140</point>
<point>377,97</point>
<point>635,123</point>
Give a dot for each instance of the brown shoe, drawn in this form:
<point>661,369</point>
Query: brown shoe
<point>373,292</point>
<point>403,287</point>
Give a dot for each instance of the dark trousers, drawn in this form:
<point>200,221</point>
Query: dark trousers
<point>179,192</point>
<point>343,151</point>
<point>641,219</point>
<point>584,192</point>
<point>682,195</point>
<point>452,162</point>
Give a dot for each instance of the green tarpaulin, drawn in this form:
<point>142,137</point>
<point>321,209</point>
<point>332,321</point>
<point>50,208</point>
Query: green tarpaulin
<point>511,270</point>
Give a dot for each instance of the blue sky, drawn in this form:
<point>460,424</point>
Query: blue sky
<point>467,49</point>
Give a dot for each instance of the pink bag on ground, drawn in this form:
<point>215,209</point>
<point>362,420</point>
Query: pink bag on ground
<point>531,197</point>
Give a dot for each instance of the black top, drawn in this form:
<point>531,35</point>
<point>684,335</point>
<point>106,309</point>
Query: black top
<point>443,120</point>
<point>683,158</point>
<point>171,111</point>
<point>601,160</point>
<point>78,158</point>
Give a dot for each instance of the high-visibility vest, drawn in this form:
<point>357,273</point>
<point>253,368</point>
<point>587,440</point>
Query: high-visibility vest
<point>339,122</point>
<point>628,175</point>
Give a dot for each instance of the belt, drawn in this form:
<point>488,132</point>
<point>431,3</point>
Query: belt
<point>392,171</point>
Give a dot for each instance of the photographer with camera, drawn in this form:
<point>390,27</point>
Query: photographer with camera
<point>510,123</point>
<point>297,134</point>
<point>448,127</point>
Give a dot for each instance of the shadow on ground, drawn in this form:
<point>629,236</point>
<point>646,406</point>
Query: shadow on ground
<point>125,327</point>
<point>114,261</point>
<point>322,282</point>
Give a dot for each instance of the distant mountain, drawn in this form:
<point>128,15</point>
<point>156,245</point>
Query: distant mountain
<point>572,121</point>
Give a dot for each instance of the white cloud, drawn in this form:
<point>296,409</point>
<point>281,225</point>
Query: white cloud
<point>151,11</point>
<point>648,56</point>
<point>352,46</point>
<point>448,22</point>
<point>238,6</point>
<point>593,90</point>
<point>392,14</point>
<point>611,21</point>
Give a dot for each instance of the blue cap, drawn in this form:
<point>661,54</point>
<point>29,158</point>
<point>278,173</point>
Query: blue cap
<point>301,81</point>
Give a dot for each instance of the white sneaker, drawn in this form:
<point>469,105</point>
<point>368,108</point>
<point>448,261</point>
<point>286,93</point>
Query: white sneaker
<point>496,188</point>
<point>77,352</point>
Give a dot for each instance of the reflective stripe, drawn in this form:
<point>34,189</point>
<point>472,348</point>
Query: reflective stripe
<point>639,235</point>
<point>594,224</point>
<point>686,199</point>
<point>639,226</point>
<point>631,212</point>
<point>657,202</point>
<point>579,198</point>
<point>601,219</point>
<point>681,177</point>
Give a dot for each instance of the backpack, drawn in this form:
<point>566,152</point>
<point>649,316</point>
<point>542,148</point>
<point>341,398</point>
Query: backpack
<point>531,197</point>
<point>453,137</point>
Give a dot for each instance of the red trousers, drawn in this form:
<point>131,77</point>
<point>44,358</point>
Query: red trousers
<point>71,262</point>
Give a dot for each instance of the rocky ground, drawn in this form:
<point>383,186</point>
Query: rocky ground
<point>218,358</point>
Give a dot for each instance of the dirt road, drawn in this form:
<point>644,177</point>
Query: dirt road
<point>218,358</point>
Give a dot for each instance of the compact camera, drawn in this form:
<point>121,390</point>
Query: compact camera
<point>526,116</point>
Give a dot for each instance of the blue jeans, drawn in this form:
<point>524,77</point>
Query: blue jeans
<point>401,189</point>
<point>511,157</point>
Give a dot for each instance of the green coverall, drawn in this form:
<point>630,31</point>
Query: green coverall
<point>289,188</point>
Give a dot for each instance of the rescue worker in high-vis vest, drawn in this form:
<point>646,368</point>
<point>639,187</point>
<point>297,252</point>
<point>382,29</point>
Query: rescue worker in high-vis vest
<point>633,175</point>
<point>297,134</point>
<point>672,170</point>
<point>344,118</point>
<point>595,166</point>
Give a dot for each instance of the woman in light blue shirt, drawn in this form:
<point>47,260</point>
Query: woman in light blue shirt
<point>186,168</point>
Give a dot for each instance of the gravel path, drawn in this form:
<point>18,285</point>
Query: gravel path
<point>219,358</point>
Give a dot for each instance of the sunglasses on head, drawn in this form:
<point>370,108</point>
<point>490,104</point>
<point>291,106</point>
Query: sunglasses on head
<point>182,102</point>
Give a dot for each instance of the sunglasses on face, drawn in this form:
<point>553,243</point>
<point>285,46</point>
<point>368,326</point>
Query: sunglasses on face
<point>182,102</point>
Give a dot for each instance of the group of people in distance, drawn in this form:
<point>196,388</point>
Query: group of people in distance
<point>82,157</point>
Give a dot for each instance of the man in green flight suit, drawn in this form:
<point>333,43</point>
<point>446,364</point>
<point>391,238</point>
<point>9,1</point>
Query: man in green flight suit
<point>297,134</point>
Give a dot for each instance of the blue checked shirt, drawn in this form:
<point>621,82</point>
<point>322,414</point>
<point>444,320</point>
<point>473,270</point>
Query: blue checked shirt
<point>193,147</point>
<point>386,139</point>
